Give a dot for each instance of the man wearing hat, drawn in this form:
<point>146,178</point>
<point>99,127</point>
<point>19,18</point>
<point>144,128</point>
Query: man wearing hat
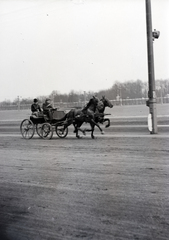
<point>35,108</point>
<point>47,108</point>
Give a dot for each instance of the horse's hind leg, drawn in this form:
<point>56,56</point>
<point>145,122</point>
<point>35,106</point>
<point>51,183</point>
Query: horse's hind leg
<point>77,128</point>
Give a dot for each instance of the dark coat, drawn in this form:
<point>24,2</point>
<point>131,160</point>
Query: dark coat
<point>35,107</point>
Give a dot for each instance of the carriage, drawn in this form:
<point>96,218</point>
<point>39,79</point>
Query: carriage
<point>61,121</point>
<point>43,126</point>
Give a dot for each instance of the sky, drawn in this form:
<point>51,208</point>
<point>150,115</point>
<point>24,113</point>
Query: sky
<point>80,45</point>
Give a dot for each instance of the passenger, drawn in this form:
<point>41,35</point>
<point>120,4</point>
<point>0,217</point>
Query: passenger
<point>35,108</point>
<point>48,108</point>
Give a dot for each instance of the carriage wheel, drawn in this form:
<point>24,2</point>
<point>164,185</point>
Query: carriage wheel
<point>61,132</point>
<point>46,131</point>
<point>27,129</point>
<point>39,129</point>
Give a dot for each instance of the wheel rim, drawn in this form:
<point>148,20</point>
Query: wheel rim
<point>27,129</point>
<point>46,131</point>
<point>61,132</point>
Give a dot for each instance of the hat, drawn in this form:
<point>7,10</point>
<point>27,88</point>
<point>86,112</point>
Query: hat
<point>35,100</point>
<point>48,99</point>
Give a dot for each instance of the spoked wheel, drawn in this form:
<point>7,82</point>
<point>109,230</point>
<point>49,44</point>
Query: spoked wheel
<point>46,131</point>
<point>61,132</point>
<point>27,129</point>
<point>39,129</point>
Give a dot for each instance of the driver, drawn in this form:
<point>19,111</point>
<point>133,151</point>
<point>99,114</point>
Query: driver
<point>48,108</point>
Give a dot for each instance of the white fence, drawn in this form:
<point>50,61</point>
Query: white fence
<point>69,105</point>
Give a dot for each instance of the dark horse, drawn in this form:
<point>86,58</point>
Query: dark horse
<point>99,114</point>
<point>93,115</point>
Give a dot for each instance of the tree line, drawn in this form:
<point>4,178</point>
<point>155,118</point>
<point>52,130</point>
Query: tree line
<point>120,90</point>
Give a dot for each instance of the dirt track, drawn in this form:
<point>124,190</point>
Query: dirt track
<point>107,188</point>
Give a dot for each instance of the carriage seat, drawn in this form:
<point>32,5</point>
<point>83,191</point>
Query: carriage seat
<point>39,115</point>
<point>37,120</point>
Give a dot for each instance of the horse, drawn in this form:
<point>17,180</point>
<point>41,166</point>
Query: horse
<point>78,117</point>
<point>99,114</point>
<point>93,115</point>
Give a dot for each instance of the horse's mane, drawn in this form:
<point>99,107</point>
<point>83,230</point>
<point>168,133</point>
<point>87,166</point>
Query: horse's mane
<point>100,106</point>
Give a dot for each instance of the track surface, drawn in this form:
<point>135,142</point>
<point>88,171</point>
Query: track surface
<point>113,187</point>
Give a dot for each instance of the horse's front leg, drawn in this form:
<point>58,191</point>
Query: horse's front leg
<point>92,130</point>
<point>102,132</point>
<point>108,122</point>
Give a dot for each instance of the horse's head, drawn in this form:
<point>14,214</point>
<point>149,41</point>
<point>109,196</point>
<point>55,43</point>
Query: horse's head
<point>106,102</point>
<point>92,104</point>
<point>95,100</point>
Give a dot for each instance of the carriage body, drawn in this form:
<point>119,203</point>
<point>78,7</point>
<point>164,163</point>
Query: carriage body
<point>43,126</point>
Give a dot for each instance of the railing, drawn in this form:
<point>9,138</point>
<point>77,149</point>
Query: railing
<point>69,105</point>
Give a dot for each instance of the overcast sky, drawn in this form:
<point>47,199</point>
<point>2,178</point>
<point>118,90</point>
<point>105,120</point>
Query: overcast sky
<point>79,45</point>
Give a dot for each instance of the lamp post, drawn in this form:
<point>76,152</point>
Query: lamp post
<point>151,103</point>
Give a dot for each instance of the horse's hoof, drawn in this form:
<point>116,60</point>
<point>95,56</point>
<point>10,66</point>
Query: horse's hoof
<point>102,132</point>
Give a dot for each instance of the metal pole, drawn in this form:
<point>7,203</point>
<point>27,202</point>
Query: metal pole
<point>151,78</point>
<point>84,97</point>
